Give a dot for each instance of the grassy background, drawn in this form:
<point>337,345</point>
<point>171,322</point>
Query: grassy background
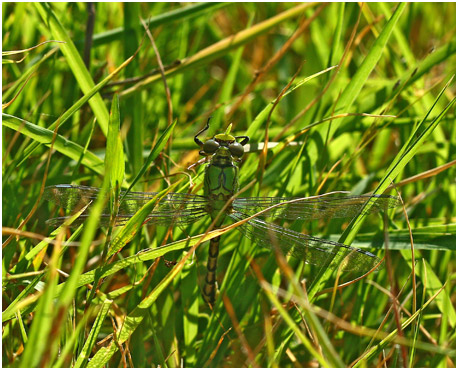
<point>230,61</point>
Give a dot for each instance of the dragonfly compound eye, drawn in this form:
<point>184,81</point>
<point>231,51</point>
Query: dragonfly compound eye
<point>210,146</point>
<point>236,149</point>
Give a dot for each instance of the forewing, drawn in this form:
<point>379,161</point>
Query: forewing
<point>175,208</point>
<point>327,206</point>
<point>307,248</point>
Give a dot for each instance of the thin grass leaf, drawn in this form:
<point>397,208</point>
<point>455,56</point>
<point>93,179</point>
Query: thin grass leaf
<point>76,107</point>
<point>160,144</point>
<point>25,75</point>
<point>377,349</point>
<point>75,62</point>
<point>92,338</point>
<point>334,361</point>
<point>129,230</point>
<point>114,158</point>
<point>432,284</point>
<point>180,14</point>
<point>44,136</point>
<point>222,47</point>
<point>46,315</point>
<point>404,156</point>
<point>91,225</point>
<point>134,319</point>
<point>355,85</point>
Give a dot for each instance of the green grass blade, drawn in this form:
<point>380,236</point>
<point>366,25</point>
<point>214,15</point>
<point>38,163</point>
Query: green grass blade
<point>129,230</point>
<point>152,155</point>
<point>61,144</point>
<point>75,63</point>
<point>222,47</point>
<point>409,149</point>
<point>93,335</point>
<point>351,92</point>
<point>90,228</point>
<point>114,159</point>
<point>181,14</point>
<point>76,107</point>
<point>330,361</point>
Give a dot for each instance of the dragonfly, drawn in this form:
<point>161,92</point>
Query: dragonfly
<point>223,153</point>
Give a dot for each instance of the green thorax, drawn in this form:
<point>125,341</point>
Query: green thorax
<point>221,180</point>
<point>221,174</point>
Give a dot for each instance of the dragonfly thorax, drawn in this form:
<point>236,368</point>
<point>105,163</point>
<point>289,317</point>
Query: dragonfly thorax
<point>221,179</point>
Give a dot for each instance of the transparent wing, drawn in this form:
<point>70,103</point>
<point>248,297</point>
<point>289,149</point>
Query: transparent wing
<point>307,248</point>
<point>173,208</point>
<point>332,205</point>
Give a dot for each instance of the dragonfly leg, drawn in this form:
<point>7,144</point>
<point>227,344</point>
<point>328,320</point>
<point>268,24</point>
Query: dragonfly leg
<point>245,140</point>
<point>196,139</point>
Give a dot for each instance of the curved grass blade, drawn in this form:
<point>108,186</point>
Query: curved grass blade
<point>152,156</point>
<point>136,221</point>
<point>222,47</point>
<point>355,85</point>
<point>85,353</point>
<point>409,149</point>
<point>75,63</point>
<point>61,144</point>
<point>180,14</point>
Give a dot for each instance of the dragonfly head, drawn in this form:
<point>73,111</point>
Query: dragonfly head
<point>223,144</point>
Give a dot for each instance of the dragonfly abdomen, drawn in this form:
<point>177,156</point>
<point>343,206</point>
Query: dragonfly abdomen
<point>210,279</point>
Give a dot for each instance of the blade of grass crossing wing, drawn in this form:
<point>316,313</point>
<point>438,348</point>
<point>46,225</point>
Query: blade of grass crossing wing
<point>75,62</point>
<point>129,230</point>
<point>404,156</point>
<point>90,228</point>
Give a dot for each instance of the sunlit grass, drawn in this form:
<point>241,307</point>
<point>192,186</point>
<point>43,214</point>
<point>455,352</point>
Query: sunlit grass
<point>372,109</point>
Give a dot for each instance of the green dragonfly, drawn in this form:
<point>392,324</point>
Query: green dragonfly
<point>223,152</point>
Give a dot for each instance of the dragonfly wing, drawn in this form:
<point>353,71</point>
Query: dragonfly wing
<point>307,248</point>
<point>332,205</point>
<point>173,208</point>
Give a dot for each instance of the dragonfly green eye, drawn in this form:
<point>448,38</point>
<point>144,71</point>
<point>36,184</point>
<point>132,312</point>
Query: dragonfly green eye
<point>210,146</point>
<point>236,149</point>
